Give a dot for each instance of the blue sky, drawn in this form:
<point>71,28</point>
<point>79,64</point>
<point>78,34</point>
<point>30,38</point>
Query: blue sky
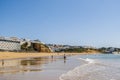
<point>75,22</point>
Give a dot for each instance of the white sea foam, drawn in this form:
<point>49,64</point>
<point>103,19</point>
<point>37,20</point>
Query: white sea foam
<point>92,71</point>
<point>88,60</point>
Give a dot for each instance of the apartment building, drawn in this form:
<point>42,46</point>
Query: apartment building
<point>10,44</point>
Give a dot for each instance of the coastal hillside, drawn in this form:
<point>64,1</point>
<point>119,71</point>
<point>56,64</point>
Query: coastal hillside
<point>34,47</point>
<point>73,49</point>
<point>80,50</point>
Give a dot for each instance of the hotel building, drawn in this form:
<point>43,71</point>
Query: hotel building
<point>10,44</point>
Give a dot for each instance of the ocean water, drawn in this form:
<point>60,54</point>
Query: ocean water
<point>95,67</point>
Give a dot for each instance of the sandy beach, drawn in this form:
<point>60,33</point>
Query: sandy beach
<point>41,66</point>
<point>15,55</point>
<point>38,68</point>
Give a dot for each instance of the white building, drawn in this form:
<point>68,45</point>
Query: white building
<point>9,44</point>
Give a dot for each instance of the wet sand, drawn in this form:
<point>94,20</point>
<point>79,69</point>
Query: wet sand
<point>15,55</point>
<point>41,68</point>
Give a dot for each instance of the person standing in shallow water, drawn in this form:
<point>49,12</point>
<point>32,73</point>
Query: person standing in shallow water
<point>64,56</point>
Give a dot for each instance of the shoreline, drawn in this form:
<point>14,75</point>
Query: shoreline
<point>16,55</point>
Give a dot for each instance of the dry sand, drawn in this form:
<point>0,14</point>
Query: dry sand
<point>13,55</point>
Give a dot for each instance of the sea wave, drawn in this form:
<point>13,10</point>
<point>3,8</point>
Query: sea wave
<point>88,60</point>
<point>92,71</point>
